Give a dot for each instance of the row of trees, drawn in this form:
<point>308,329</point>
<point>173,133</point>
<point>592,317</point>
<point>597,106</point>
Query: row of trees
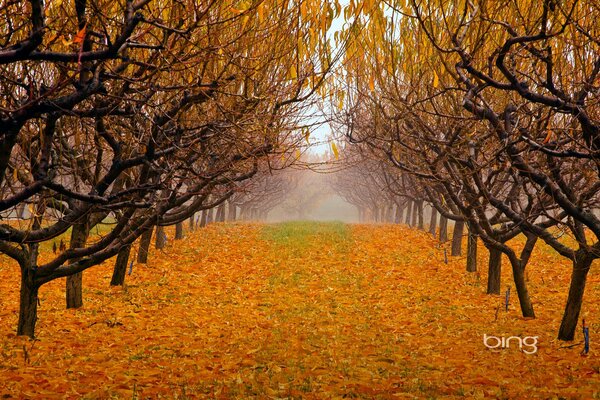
<point>488,112</point>
<point>137,114</point>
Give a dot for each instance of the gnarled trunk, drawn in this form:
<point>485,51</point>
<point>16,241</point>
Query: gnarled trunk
<point>494,270</point>
<point>28,302</point>
<point>120,269</point>
<point>203,218</point>
<point>160,239</point>
<point>443,229</point>
<point>471,252</point>
<point>74,287</point>
<point>178,231</point>
<point>144,248</point>
<point>581,267</point>
<point>518,269</point>
<point>457,234</point>
<point>433,221</point>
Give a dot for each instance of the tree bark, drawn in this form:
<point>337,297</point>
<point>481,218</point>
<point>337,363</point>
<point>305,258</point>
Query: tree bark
<point>203,218</point>
<point>522,291</point>
<point>178,231</point>
<point>420,220</point>
<point>399,213</point>
<point>74,287</point>
<point>457,234</point>
<point>145,239</point>
<point>581,267</point>
<point>494,270</point>
<point>191,222</point>
<point>221,213</point>
<point>28,302</point>
<point>232,212</point>
<point>118,277</point>
<point>210,216</point>
<point>471,252</point>
<point>415,214</point>
<point>160,238</point>
<point>409,210</point>
<point>433,221</point>
<point>443,229</point>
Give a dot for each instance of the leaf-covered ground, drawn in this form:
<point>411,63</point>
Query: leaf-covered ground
<point>299,310</point>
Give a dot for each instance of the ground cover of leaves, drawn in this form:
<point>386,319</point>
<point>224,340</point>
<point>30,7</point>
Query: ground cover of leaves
<point>297,310</point>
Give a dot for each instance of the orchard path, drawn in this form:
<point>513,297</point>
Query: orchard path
<point>295,310</point>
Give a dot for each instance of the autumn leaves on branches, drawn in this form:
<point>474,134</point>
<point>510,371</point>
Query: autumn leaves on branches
<point>490,109</point>
<point>132,114</point>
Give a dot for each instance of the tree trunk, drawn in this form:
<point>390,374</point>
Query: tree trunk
<point>160,238</point>
<point>433,221</point>
<point>518,269</point>
<point>581,267</point>
<point>145,239</point>
<point>409,210</point>
<point>232,212</point>
<point>178,231</point>
<point>471,252</point>
<point>494,269</point>
<point>118,277</point>
<point>399,213</point>
<point>457,234</point>
<point>210,216</point>
<point>443,229</point>
<point>421,222</point>
<point>390,216</point>
<point>74,295</point>
<point>203,218</point>
<point>415,214</point>
<point>191,222</point>
<point>28,302</point>
<point>221,213</point>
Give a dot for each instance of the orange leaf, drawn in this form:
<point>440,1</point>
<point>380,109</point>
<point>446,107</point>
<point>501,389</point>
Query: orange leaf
<point>80,36</point>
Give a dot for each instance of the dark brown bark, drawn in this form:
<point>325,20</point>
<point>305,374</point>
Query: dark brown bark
<point>522,292</point>
<point>471,252</point>
<point>443,229</point>
<point>118,277</point>
<point>203,218</point>
<point>494,270</point>
<point>142,257</point>
<point>28,303</point>
<point>160,239</point>
<point>433,221</point>
<point>178,231</point>
<point>74,292</point>
<point>568,325</point>
<point>457,234</point>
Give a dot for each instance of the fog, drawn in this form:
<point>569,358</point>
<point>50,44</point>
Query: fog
<point>331,208</point>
